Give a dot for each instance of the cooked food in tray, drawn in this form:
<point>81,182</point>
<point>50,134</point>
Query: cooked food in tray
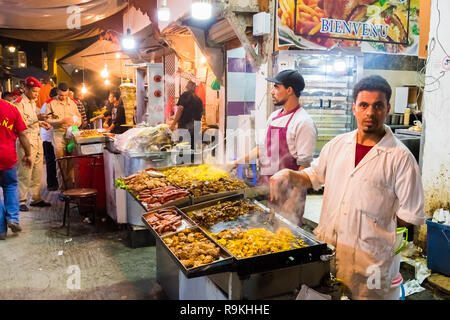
<point>158,196</point>
<point>257,241</point>
<point>203,179</point>
<point>142,180</point>
<point>90,133</point>
<point>151,188</point>
<point>192,248</point>
<point>164,220</point>
<point>224,211</point>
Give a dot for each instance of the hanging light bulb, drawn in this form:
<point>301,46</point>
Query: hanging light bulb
<point>340,65</point>
<point>164,12</point>
<point>107,83</point>
<point>128,42</point>
<point>118,55</point>
<point>104,73</point>
<point>203,59</point>
<point>83,89</point>
<point>12,49</point>
<point>201,10</point>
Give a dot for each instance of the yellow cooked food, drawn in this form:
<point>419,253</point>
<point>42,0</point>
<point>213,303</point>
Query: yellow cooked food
<point>252,242</point>
<point>203,179</point>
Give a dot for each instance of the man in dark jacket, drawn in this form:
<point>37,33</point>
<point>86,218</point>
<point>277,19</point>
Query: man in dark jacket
<point>190,110</point>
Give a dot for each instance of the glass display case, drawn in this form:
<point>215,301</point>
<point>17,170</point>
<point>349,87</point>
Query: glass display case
<point>329,80</point>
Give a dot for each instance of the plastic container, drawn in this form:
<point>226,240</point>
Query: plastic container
<point>438,247</point>
<point>406,116</point>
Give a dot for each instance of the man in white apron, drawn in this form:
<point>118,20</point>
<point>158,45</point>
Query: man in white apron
<point>289,143</point>
<point>372,185</point>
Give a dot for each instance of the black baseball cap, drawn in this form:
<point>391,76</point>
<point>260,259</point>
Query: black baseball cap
<point>290,78</point>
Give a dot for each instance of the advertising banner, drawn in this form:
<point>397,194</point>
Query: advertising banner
<point>383,26</point>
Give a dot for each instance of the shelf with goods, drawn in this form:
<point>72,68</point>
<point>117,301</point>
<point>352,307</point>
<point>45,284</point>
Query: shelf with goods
<point>329,80</point>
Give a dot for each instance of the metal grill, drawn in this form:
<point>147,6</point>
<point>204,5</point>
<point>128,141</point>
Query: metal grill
<point>169,74</point>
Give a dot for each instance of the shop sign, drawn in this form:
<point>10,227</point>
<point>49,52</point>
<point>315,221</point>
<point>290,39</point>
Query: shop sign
<point>389,26</point>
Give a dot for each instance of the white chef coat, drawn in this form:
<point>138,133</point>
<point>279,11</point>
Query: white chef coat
<point>361,205</point>
<point>301,134</point>
<point>46,135</point>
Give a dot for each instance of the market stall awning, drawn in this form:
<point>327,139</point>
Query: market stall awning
<point>22,73</point>
<point>96,55</point>
<point>56,14</point>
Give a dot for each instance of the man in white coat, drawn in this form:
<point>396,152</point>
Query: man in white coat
<point>372,186</point>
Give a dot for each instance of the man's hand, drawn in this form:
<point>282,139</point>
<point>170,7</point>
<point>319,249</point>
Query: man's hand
<point>172,126</point>
<point>67,121</point>
<point>45,125</point>
<point>229,166</point>
<point>279,184</point>
<point>42,117</point>
<point>27,161</point>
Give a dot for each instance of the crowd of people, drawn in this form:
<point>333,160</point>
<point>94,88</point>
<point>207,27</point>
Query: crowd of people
<point>34,121</point>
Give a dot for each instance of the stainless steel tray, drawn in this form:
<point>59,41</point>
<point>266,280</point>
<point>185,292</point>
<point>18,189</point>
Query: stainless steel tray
<point>180,203</point>
<point>206,197</point>
<point>81,140</point>
<point>269,261</point>
<point>186,222</point>
<point>224,263</point>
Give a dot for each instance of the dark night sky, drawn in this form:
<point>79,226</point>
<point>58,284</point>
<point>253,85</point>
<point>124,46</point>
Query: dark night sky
<point>32,49</point>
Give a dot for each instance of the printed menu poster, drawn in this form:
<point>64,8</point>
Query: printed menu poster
<point>382,26</point>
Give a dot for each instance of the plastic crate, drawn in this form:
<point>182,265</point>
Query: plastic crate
<point>438,247</point>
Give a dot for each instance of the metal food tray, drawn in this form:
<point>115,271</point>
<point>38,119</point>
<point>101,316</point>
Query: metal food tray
<point>182,202</point>
<point>269,261</point>
<point>206,197</point>
<point>224,263</point>
<point>186,222</point>
<point>81,140</point>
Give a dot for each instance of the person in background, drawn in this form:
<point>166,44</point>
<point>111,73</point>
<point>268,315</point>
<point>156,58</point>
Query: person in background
<point>73,95</point>
<point>16,93</point>
<point>117,114</point>
<point>290,140</point>
<point>49,151</point>
<point>44,93</point>
<point>63,113</point>
<point>108,104</point>
<point>12,127</point>
<point>8,96</point>
<point>30,178</point>
<point>372,185</point>
<point>189,110</point>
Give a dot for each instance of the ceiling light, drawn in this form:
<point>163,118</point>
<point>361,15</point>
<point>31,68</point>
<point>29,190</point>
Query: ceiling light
<point>107,83</point>
<point>202,59</point>
<point>104,73</point>
<point>340,65</point>
<point>83,89</point>
<point>22,64</point>
<point>201,10</point>
<point>128,42</point>
<point>12,49</point>
<point>118,55</point>
<point>164,12</point>
<point>76,70</point>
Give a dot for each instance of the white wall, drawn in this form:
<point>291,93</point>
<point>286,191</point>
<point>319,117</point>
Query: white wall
<point>436,156</point>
